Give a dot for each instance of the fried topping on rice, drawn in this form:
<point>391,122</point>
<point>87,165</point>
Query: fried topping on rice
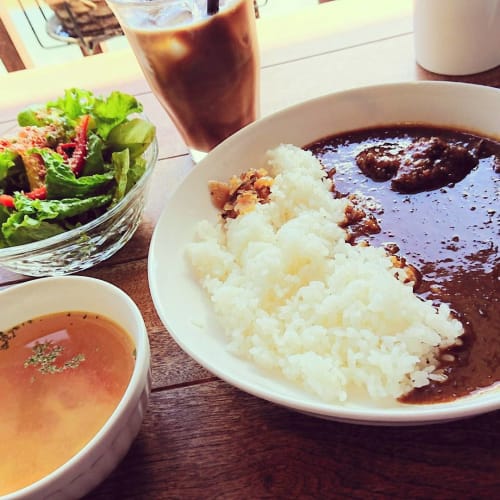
<point>241,194</point>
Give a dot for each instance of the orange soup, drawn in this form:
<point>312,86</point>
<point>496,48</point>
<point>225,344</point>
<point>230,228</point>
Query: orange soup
<point>61,377</point>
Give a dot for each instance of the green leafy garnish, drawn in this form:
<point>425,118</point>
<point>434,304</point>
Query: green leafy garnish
<point>6,337</point>
<point>44,357</point>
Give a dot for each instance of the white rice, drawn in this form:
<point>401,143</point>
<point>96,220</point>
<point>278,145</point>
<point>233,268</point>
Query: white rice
<point>292,295</point>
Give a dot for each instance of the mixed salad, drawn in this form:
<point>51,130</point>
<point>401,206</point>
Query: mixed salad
<point>70,160</point>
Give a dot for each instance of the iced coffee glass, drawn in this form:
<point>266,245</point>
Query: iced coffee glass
<point>201,60</point>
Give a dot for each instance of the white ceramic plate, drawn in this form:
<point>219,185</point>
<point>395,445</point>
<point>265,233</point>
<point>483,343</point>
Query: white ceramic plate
<point>182,304</point>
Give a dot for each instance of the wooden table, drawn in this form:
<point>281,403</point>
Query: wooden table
<point>202,438</point>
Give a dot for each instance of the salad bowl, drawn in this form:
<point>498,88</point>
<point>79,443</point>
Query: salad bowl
<point>85,242</point>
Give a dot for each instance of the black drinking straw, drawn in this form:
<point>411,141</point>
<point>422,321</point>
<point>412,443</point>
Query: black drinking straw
<point>212,7</point>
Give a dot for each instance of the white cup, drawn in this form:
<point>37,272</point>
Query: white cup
<point>457,37</point>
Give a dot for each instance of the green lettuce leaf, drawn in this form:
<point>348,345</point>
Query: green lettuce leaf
<point>95,163</point>
<point>7,161</point>
<point>121,166</point>
<point>58,209</point>
<point>135,134</point>
<point>30,116</point>
<point>110,112</point>
<point>75,103</point>
<point>38,117</point>
<point>106,113</point>
<point>135,172</point>
<point>4,215</point>
<point>35,220</point>
<point>61,182</point>
<point>12,173</point>
<point>21,228</point>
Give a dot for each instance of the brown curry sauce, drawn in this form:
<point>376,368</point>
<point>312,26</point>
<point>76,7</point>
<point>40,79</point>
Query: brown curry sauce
<point>431,196</point>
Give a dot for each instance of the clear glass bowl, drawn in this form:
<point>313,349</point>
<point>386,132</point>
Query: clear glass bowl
<point>87,245</point>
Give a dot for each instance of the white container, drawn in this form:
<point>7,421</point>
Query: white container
<point>95,461</point>
<point>457,37</point>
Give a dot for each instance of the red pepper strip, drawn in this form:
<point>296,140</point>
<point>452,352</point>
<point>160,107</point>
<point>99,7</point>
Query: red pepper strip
<point>78,159</point>
<point>7,200</point>
<point>61,149</point>
<point>37,193</point>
